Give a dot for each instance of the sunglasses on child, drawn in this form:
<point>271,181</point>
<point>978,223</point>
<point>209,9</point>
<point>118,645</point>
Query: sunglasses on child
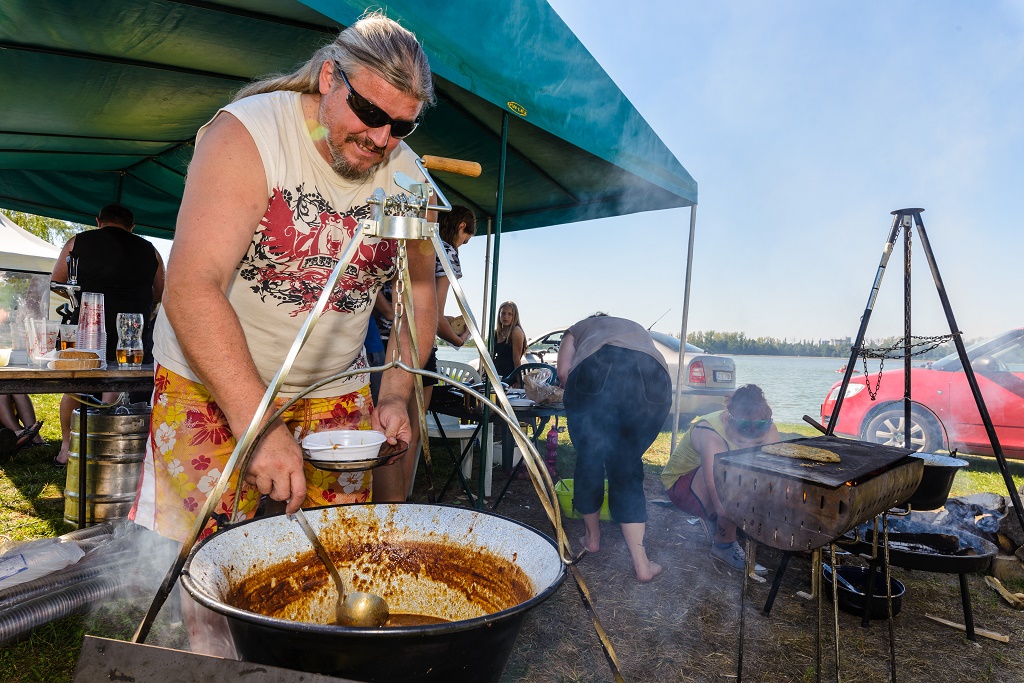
<point>752,426</point>
<point>372,115</point>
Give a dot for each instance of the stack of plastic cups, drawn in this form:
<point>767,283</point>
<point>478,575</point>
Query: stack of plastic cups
<point>92,328</point>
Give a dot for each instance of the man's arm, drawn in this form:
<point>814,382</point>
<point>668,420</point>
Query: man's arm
<point>158,278</point>
<point>225,198</point>
<point>444,328</point>
<point>60,268</point>
<point>397,386</point>
<point>382,307</point>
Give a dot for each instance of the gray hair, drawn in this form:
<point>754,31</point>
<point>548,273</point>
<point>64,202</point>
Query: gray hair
<point>375,43</point>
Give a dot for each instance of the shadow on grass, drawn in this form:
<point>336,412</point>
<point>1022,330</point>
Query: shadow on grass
<point>32,494</point>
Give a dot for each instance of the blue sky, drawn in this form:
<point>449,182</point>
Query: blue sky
<point>804,123</point>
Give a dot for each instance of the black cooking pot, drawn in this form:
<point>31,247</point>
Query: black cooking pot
<point>852,601</point>
<point>479,571</point>
<point>937,480</point>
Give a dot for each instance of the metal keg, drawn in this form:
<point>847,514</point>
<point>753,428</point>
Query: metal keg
<point>116,447</point>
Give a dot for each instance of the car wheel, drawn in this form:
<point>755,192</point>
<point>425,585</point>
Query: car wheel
<point>886,428</point>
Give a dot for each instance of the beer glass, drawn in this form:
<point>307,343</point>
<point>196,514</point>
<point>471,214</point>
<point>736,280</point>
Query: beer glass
<point>68,336</point>
<point>129,340</point>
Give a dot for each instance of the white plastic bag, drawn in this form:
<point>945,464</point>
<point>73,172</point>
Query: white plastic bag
<point>33,559</point>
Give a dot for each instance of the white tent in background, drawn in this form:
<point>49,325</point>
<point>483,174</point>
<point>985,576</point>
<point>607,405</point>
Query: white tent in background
<point>21,250</point>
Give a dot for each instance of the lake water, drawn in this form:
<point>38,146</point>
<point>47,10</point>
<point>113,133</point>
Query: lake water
<point>794,386</point>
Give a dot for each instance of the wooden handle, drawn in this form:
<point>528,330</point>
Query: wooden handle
<point>470,168</point>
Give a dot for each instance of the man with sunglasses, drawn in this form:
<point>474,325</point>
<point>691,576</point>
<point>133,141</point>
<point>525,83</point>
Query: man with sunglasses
<point>689,474</point>
<point>278,182</point>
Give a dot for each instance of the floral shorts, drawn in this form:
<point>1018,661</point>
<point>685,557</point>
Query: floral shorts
<point>189,445</point>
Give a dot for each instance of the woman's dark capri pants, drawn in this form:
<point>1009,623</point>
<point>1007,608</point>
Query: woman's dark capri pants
<point>616,401</point>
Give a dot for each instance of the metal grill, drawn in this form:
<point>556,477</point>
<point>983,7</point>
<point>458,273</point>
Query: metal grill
<point>796,505</point>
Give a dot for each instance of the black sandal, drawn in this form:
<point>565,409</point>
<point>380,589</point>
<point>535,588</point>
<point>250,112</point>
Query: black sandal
<point>58,464</point>
<point>25,436</point>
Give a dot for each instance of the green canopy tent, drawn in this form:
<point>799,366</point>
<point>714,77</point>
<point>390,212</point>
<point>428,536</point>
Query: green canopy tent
<point>102,100</point>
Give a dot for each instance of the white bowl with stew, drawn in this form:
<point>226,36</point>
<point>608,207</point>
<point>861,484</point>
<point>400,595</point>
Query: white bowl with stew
<point>344,444</point>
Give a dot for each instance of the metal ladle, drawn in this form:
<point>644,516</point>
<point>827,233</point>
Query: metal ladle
<point>364,610</point>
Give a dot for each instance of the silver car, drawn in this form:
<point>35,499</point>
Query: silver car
<point>706,382</point>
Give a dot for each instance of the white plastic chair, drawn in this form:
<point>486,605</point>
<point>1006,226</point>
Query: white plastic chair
<point>453,429</point>
<point>459,372</point>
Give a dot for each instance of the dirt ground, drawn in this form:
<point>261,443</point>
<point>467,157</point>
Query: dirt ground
<point>684,625</point>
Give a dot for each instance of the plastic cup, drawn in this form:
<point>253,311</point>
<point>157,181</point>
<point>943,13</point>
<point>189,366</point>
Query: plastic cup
<point>92,330</point>
<point>42,338</point>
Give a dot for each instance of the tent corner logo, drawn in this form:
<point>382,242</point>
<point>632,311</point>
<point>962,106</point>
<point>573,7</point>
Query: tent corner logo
<point>517,108</point>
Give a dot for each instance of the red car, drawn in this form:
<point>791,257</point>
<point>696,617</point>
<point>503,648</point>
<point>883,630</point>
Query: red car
<point>944,414</point>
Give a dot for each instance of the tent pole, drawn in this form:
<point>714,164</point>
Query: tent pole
<point>682,331</point>
<point>485,319</point>
<point>485,439</point>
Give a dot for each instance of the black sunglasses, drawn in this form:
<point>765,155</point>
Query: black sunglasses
<point>372,115</point>
<point>752,426</point>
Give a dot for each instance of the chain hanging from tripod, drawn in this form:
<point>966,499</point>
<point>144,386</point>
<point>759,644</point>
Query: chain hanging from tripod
<point>399,299</point>
<point>895,351</point>
<point>900,348</point>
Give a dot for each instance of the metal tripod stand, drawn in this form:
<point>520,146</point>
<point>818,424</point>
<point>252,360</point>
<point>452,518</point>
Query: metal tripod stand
<point>906,220</point>
<point>399,217</point>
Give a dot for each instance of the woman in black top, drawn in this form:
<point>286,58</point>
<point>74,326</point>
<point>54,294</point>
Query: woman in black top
<point>509,340</point>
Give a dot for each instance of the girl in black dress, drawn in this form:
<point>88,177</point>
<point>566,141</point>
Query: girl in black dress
<point>509,339</point>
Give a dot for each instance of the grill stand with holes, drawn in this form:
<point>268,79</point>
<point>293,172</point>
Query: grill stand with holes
<point>796,506</point>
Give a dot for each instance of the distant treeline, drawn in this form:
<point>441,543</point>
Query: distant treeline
<point>738,343</point>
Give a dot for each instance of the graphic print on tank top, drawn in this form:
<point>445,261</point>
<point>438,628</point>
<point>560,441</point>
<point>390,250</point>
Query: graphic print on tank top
<point>298,244</point>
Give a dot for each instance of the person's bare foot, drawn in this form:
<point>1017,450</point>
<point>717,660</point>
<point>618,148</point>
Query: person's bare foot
<point>648,572</point>
<point>591,547</point>
<point>61,459</point>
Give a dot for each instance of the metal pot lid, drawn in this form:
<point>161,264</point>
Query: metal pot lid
<point>936,460</point>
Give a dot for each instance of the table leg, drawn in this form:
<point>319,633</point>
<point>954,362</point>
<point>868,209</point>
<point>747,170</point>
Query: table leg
<point>507,447</point>
<point>83,458</point>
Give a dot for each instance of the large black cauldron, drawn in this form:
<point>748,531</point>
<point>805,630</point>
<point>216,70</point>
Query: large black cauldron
<point>480,571</point>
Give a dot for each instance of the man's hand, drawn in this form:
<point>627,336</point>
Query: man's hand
<point>276,468</point>
<point>392,418</point>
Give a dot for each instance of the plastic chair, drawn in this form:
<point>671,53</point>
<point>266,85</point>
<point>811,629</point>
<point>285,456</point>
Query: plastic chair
<point>464,434</point>
<point>459,372</point>
<point>453,429</point>
<point>539,371</point>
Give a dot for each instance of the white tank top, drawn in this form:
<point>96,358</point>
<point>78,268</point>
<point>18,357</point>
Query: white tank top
<point>311,215</point>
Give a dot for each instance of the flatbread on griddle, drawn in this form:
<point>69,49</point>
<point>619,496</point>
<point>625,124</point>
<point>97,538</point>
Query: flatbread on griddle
<point>794,450</point>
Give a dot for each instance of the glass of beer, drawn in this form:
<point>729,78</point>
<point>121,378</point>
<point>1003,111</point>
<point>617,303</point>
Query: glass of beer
<point>68,334</point>
<point>129,340</point>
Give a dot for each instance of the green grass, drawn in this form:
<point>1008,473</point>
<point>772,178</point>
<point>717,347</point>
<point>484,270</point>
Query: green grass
<point>32,506</point>
<point>983,475</point>
<point>31,489</point>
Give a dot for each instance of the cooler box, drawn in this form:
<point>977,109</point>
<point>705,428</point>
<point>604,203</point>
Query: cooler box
<point>564,490</point>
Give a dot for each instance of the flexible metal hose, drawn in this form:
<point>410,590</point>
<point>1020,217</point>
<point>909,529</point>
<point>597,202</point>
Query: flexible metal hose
<point>74,574</point>
<point>22,619</point>
<point>106,528</point>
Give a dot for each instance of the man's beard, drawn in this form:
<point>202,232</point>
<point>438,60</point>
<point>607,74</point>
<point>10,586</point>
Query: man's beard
<point>345,169</point>
<point>339,163</point>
